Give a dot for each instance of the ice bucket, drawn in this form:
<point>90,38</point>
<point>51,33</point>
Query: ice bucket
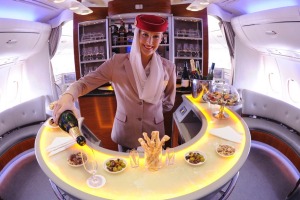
<point>200,87</point>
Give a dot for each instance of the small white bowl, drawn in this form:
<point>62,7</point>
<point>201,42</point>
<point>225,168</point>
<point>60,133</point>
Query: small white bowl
<point>225,150</point>
<point>197,152</point>
<point>50,123</point>
<point>112,172</point>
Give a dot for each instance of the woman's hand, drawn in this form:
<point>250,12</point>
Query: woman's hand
<point>65,102</point>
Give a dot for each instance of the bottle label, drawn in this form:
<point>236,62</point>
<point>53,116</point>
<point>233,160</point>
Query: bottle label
<point>74,132</point>
<point>185,83</point>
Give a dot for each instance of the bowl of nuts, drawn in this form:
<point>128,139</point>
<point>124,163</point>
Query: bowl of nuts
<point>225,150</point>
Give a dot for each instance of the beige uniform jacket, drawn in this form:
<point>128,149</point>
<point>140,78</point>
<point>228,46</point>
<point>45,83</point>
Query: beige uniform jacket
<point>133,115</point>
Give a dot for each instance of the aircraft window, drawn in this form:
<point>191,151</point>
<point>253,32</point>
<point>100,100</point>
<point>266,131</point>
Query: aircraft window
<point>63,60</point>
<point>293,90</point>
<point>218,50</point>
<point>274,81</point>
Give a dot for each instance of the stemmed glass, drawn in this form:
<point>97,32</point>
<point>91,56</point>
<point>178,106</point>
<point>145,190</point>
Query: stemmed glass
<point>91,166</point>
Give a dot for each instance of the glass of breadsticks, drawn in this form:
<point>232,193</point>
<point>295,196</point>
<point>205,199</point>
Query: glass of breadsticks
<point>153,150</point>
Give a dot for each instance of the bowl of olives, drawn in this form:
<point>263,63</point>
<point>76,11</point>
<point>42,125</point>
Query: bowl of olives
<point>115,165</point>
<point>195,157</point>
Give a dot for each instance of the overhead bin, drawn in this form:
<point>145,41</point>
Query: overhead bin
<point>20,39</point>
<point>274,31</point>
<point>14,44</point>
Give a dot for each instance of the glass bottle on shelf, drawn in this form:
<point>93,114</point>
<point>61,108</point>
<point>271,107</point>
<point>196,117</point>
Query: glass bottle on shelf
<point>185,80</point>
<point>165,39</point>
<point>130,35</point>
<point>193,74</point>
<point>114,35</point>
<point>122,34</point>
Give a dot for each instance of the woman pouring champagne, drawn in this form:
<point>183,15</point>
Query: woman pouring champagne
<point>143,81</point>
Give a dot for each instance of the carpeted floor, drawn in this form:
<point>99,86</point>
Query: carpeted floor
<point>263,177</point>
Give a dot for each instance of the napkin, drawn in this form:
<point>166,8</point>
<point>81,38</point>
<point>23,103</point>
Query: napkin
<point>60,144</point>
<point>227,133</point>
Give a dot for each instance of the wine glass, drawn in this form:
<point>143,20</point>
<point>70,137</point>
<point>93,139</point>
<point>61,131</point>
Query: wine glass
<point>91,166</point>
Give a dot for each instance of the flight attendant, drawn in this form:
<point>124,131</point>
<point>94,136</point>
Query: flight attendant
<point>144,84</point>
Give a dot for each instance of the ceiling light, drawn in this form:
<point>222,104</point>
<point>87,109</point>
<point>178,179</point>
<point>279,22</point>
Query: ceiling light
<point>74,5</point>
<point>57,1</point>
<point>204,2</point>
<point>197,5</point>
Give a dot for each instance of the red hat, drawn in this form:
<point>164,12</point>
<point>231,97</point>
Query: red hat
<point>151,23</point>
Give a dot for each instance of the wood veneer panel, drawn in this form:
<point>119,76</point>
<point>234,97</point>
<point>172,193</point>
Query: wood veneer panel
<point>99,113</point>
<point>16,150</point>
<point>120,6</point>
<point>277,144</point>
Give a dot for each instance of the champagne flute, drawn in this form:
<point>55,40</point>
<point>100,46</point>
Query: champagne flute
<point>91,166</point>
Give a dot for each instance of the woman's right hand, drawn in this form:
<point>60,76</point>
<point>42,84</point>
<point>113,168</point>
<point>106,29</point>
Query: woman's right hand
<point>65,102</point>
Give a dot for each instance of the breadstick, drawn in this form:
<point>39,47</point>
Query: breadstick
<point>146,137</point>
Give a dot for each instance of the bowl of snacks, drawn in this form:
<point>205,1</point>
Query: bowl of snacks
<point>195,157</point>
<point>225,150</point>
<point>115,165</point>
<point>75,159</point>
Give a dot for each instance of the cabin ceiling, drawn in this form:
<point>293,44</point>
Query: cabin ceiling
<point>45,10</point>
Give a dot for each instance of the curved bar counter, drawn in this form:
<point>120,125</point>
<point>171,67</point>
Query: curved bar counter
<point>178,181</point>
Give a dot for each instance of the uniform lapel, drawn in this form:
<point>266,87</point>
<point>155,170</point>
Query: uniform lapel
<point>130,75</point>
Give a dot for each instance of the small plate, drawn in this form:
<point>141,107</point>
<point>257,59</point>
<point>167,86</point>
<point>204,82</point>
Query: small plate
<point>114,159</point>
<point>187,157</point>
<point>50,123</point>
<point>225,150</point>
<point>75,159</point>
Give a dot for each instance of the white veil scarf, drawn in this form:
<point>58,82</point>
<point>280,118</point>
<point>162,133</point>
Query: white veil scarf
<point>149,88</point>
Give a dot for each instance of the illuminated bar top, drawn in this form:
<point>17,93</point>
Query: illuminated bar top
<point>179,181</point>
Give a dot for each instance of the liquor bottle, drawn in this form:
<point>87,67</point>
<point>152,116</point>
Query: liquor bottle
<point>165,39</point>
<point>122,34</point>
<point>185,80</point>
<point>68,122</point>
<point>114,35</point>
<point>130,34</point>
<point>210,75</point>
<point>194,74</point>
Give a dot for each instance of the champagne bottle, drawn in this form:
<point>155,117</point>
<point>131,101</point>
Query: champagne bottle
<point>185,81</point>
<point>68,122</point>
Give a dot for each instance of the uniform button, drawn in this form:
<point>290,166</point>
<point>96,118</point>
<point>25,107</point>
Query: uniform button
<point>140,103</point>
<point>140,119</point>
